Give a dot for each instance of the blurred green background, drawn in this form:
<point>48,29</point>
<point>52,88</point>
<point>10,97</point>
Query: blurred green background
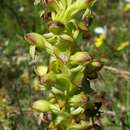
<point>108,38</point>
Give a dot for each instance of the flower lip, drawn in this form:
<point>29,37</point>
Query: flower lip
<point>56,24</point>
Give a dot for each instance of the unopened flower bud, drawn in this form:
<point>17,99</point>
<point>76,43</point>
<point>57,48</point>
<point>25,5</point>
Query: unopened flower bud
<point>35,39</point>
<point>80,58</point>
<point>39,41</point>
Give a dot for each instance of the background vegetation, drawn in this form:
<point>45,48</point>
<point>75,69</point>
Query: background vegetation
<point>107,39</point>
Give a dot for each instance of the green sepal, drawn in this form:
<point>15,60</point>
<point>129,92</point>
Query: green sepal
<point>80,58</point>
<point>41,105</point>
<point>39,41</point>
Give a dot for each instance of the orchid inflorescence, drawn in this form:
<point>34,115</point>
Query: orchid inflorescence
<point>65,79</point>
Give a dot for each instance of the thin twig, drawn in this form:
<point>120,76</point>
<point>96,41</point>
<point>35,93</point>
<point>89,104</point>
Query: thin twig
<point>117,70</point>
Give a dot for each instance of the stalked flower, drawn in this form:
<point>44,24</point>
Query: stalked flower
<point>41,105</point>
<point>56,27</point>
<point>80,58</point>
